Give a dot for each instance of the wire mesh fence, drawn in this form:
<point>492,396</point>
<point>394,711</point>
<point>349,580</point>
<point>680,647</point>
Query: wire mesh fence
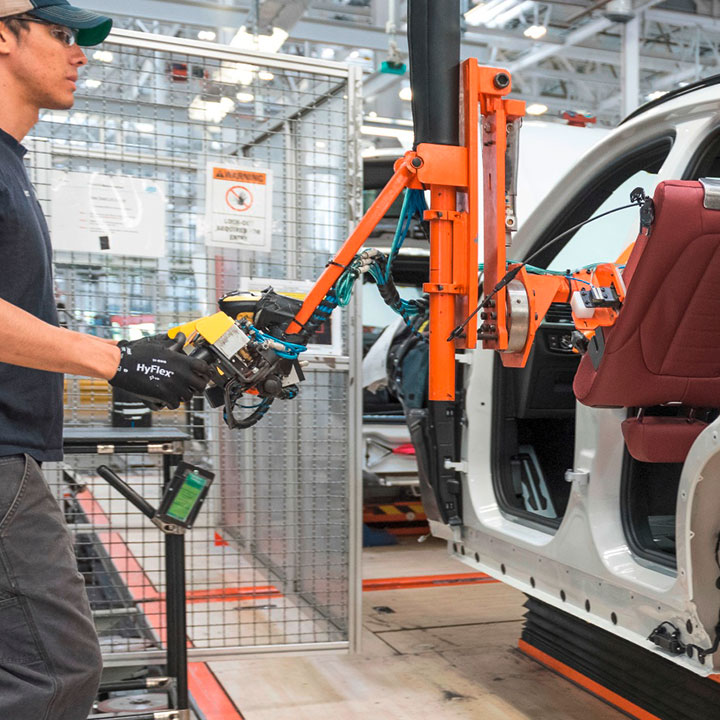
<point>126,180</point>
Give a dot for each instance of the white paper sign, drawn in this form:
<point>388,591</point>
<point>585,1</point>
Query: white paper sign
<point>110,214</point>
<point>238,206</point>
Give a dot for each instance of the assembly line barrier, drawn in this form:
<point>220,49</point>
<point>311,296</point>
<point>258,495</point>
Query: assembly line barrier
<point>184,171</point>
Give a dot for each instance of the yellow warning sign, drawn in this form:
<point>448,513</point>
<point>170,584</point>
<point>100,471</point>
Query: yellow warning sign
<point>239,175</point>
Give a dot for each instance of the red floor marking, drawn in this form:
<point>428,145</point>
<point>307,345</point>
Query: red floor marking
<point>260,592</point>
<point>210,696</point>
<point>585,682</point>
<point>426,581</point>
<point>92,508</point>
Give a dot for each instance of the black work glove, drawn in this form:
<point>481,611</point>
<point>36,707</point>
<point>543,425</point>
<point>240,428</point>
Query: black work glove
<point>162,338</point>
<point>156,372</point>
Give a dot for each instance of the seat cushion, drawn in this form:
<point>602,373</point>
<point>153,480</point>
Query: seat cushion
<point>661,439</point>
<point>665,344</point>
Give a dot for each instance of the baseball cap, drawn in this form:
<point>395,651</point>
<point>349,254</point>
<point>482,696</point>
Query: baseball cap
<point>92,28</point>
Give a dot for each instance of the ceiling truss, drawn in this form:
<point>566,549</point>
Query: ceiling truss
<point>579,64</point>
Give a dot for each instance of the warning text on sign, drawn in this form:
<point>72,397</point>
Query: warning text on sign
<point>238,207</point>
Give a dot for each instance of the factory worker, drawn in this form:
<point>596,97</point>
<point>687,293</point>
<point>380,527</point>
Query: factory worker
<point>49,655</point>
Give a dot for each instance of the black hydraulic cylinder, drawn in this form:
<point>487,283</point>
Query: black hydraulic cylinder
<point>434,48</point>
<point>176,620</point>
<point>443,429</point>
<point>176,607</point>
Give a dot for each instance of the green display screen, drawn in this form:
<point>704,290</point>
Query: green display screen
<point>187,496</point>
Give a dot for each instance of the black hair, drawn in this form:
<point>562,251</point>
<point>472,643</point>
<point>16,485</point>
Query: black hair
<point>16,24</point>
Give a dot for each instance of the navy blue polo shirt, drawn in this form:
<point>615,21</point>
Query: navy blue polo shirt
<point>31,401</point>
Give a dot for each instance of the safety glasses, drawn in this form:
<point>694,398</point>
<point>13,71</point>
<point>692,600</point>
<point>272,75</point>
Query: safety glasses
<point>67,36</point>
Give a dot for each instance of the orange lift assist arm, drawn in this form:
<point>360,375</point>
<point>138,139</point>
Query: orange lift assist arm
<point>450,173</point>
<point>454,176</point>
<point>404,175</point>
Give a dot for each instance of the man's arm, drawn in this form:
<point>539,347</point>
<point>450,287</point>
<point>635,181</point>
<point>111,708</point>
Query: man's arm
<point>28,341</point>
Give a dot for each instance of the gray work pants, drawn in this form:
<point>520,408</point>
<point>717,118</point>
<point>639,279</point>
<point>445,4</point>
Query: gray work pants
<point>50,660</point>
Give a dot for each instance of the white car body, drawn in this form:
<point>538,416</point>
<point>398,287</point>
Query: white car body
<point>586,566</point>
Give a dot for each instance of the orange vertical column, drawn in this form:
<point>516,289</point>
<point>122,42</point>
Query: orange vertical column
<point>494,329</point>
<point>442,304</point>
<point>467,302</point>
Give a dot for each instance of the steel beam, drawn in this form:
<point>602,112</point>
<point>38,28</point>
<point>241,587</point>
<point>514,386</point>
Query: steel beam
<point>476,43</point>
<point>204,13</point>
<point>573,38</point>
<point>630,68</point>
<point>680,19</point>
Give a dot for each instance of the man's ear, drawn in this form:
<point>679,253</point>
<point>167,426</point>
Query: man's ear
<point>7,39</point>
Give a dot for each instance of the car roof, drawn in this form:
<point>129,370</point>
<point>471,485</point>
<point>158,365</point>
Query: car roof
<point>672,95</point>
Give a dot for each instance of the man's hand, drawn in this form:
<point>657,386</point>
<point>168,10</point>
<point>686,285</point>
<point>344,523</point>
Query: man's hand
<point>151,369</point>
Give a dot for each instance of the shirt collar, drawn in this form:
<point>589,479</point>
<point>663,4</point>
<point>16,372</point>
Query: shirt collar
<point>12,143</point>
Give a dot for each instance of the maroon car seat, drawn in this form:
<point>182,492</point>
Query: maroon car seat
<point>665,345</point>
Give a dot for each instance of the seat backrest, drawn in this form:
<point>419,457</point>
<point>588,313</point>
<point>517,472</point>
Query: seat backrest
<point>665,344</point>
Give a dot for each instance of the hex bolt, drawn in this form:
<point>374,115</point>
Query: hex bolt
<point>416,162</point>
<point>501,80</point>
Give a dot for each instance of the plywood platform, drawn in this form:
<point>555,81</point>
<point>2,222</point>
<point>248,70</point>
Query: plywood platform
<point>444,652</point>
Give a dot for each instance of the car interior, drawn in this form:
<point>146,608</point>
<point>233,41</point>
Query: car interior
<point>534,407</point>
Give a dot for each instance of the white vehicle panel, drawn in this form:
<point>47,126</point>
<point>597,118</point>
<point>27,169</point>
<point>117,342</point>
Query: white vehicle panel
<point>586,567</point>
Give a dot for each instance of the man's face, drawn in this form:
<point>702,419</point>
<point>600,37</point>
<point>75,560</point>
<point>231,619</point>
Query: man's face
<point>45,68</point>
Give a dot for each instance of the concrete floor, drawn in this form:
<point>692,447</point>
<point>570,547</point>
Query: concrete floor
<point>444,652</point>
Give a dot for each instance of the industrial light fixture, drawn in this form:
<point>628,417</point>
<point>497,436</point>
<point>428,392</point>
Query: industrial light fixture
<point>235,73</point>
<point>208,35</point>
<point>103,56</point>
<point>262,43</point>
<point>619,11</point>
<point>265,75</point>
<point>405,93</point>
<point>536,109</point>
<point>535,31</point>
<point>474,16</point>
<point>144,127</point>
<point>245,97</point>
<point>210,111</point>
<point>389,121</point>
<point>327,53</point>
<point>655,95</point>
<point>404,137</point>
<point>91,83</point>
